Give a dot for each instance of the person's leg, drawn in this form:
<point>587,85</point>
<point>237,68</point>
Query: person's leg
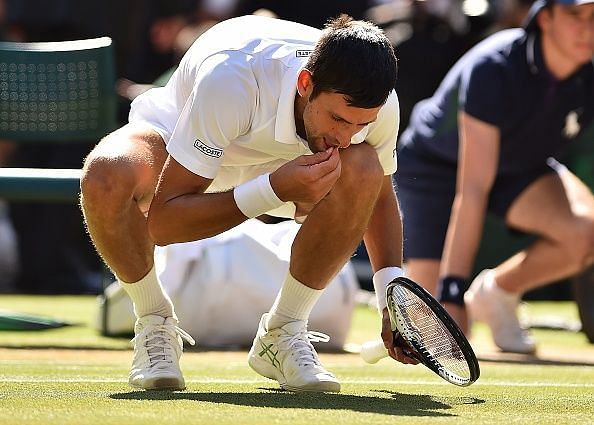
<point>119,178</point>
<point>336,225</point>
<point>331,232</point>
<point>559,208</point>
<point>117,185</point>
<point>326,240</point>
<point>118,182</point>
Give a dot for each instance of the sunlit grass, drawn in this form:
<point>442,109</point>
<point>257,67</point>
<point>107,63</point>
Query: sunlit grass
<point>76,376</point>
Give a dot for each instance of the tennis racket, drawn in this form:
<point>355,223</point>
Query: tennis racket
<point>427,333</point>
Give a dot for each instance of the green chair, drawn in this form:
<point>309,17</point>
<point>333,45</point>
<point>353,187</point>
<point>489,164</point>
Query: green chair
<point>57,92</point>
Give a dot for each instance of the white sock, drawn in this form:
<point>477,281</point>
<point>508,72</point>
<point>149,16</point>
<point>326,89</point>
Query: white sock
<point>148,296</point>
<point>294,302</point>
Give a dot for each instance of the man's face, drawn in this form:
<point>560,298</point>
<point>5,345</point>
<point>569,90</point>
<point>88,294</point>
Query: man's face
<point>330,122</point>
<point>571,31</point>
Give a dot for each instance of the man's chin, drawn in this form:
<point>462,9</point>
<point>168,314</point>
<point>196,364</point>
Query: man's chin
<point>315,148</point>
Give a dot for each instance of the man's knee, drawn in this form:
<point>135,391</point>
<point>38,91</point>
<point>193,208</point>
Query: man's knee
<point>123,167</point>
<point>109,176</point>
<point>103,178</point>
<point>361,167</point>
<point>580,241</point>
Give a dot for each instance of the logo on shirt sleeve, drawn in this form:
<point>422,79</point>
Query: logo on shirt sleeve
<point>208,150</point>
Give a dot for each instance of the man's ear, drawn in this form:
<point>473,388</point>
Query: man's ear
<point>304,83</point>
<point>544,18</point>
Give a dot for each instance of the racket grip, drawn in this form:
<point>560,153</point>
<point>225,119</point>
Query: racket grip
<point>373,351</point>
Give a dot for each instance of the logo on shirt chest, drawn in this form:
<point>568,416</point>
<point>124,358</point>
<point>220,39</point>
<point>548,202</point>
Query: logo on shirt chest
<point>572,125</point>
<point>208,150</point>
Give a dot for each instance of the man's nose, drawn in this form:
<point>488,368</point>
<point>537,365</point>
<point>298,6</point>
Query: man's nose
<point>343,137</point>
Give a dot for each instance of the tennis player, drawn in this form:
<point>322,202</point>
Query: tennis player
<point>262,116</point>
<point>487,142</point>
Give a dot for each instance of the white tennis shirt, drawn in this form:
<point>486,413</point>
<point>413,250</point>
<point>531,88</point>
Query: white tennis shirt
<point>227,113</point>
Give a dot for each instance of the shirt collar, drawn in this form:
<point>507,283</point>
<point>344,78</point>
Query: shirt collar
<point>284,129</point>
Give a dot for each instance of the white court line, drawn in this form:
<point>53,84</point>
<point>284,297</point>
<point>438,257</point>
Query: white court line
<point>344,381</point>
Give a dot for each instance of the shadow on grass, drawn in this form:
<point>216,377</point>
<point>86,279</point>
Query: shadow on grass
<point>514,358</point>
<point>391,403</point>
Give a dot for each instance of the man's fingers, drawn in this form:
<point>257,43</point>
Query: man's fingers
<point>325,175</point>
<point>317,157</point>
<point>398,354</point>
<point>330,165</point>
<point>396,349</point>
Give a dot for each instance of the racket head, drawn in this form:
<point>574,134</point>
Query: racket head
<point>427,327</point>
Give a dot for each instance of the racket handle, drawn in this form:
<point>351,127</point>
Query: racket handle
<point>373,351</point>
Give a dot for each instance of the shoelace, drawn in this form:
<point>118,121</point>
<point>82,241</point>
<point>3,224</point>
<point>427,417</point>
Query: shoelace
<point>156,342</point>
<point>301,345</point>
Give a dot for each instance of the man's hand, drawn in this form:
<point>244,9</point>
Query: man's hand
<point>395,351</point>
<point>308,178</point>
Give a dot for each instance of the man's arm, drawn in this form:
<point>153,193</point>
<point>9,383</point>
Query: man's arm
<point>383,241</point>
<point>181,211</point>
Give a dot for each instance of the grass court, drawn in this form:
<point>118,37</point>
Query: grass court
<point>73,375</point>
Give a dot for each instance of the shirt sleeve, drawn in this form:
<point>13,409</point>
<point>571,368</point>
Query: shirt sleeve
<point>383,133</point>
<point>219,109</point>
<point>481,92</point>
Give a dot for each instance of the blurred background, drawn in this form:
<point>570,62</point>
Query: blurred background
<point>43,245</point>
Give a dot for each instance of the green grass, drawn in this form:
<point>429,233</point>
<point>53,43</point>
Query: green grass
<point>75,376</point>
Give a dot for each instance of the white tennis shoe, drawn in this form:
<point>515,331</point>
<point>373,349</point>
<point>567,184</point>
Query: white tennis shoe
<point>496,307</point>
<point>158,346</point>
<point>286,355</point>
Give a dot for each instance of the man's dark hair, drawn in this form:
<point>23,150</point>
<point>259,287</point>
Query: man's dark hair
<point>356,59</point>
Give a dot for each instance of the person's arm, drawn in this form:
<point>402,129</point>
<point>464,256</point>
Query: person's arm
<point>383,241</point>
<point>182,212</point>
<point>478,160</point>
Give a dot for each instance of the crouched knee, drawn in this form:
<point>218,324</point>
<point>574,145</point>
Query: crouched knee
<point>361,167</point>
<point>580,241</point>
<point>106,178</point>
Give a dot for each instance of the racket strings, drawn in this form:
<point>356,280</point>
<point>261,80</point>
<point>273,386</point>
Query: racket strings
<point>421,325</point>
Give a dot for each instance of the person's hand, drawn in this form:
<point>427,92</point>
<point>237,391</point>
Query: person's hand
<point>308,178</point>
<point>394,347</point>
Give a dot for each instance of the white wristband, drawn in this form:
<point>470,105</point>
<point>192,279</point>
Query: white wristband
<point>381,278</point>
<point>256,197</point>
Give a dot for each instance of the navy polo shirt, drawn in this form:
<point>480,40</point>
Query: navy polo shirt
<point>503,81</point>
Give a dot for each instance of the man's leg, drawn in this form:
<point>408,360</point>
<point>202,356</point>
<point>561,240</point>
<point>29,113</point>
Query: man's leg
<point>118,182</point>
<point>326,240</point>
<point>119,177</point>
<point>560,209</point>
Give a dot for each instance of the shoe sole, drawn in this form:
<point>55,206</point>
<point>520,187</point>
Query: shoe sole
<point>265,369</point>
<point>161,384</point>
<point>326,387</point>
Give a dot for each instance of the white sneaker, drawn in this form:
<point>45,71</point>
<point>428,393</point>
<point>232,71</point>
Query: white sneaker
<point>286,355</point>
<point>157,348</point>
<point>496,307</point>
